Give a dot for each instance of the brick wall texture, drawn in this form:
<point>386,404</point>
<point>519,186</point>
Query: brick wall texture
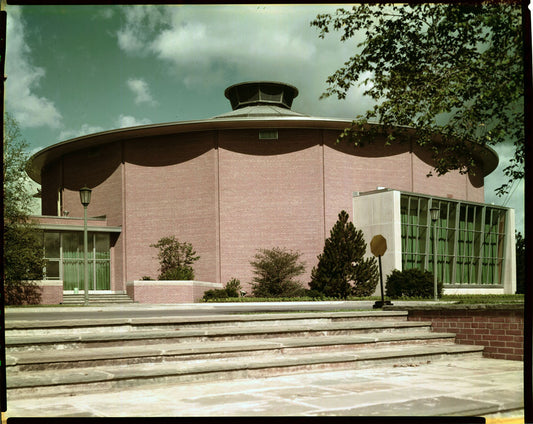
<point>501,331</point>
<point>51,294</point>
<point>230,194</point>
<point>180,292</point>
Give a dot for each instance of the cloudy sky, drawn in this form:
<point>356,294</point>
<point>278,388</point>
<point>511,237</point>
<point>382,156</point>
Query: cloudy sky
<point>75,70</point>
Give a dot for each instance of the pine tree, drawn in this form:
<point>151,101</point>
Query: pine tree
<point>342,271</point>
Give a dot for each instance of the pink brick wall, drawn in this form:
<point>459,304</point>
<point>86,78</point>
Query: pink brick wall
<point>501,330</point>
<point>170,190</point>
<point>229,193</point>
<point>271,195</point>
<point>168,291</point>
<point>51,292</point>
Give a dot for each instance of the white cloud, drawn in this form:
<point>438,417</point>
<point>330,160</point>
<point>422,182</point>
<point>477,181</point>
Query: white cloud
<point>139,87</point>
<point>83,130</point>
<point>141,23</point>
<point>124,121</point>
<point>23,77</point>
<point>204,45</point>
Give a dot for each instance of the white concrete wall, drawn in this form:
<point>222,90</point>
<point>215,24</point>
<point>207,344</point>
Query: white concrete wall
<point>379,213</point>
<point>509,266</point>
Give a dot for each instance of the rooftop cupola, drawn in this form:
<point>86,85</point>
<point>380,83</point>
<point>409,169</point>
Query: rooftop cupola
<point>261,93</point>
<point>260,100</point>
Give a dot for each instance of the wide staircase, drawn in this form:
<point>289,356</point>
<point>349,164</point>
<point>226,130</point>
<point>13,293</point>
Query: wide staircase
<point>96,298</point>
<point>64,357</point>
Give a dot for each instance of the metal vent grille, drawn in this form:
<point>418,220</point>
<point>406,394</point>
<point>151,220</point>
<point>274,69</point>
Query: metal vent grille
<point>268,134</point>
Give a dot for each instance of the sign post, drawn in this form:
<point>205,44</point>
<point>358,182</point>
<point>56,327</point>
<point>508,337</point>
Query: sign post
<point>378,247</point>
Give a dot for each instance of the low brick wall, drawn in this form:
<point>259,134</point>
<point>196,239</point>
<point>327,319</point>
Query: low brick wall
<point>500,328</point>
<point>168,291</point>
<point>51,291</point>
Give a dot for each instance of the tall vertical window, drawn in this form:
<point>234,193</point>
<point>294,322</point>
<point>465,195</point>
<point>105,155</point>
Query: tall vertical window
<point>470,240</point>
<point>64,254</point>
<point>52,252</point>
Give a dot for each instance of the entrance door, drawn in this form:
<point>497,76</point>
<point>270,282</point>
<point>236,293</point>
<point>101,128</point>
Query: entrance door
<point>73,263</point>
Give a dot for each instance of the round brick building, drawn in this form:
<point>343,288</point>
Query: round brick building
<point>256,177</point>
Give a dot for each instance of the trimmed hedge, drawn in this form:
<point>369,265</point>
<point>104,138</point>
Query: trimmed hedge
<point>411,283</point>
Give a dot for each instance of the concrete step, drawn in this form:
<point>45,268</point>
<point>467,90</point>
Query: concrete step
<point>172,323</point>
<point>96,298</point>
<point>260,331</point>
<point>96,379</point>
<point>251,349</point>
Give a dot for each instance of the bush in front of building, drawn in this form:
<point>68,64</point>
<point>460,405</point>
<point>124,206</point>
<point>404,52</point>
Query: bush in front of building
<point>342,270</point>
<point>411,283</point>
<point>175,259</point>
<point>232,289</point>
<point>21,293</point>
<point>275,273</point>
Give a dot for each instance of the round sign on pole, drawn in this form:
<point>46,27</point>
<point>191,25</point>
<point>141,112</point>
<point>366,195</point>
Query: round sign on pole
<point>378,245</point>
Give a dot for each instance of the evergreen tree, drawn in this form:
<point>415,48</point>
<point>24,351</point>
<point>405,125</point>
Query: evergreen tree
<point>342,269</point>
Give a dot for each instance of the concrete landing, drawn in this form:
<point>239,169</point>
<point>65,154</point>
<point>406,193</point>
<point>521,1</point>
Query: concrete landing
<point>470,387</point>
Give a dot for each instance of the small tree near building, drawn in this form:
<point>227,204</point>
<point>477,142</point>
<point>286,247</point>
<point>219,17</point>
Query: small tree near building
<point>175,259</point>
<point>275,272</point>
<point>342,270</point>
<point>23,243</point>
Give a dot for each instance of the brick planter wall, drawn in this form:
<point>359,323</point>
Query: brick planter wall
<point>168,291</point>
<point>51,291</point>
<point>500,328</point>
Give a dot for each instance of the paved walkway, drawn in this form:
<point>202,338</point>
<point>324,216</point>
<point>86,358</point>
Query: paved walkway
<point>469,388</point>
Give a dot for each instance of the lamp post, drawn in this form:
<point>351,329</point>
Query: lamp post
<point>85,198</point>
<point>435,212</point>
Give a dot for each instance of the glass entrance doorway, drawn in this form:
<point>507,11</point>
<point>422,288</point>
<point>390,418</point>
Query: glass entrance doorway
<point>64,254</point>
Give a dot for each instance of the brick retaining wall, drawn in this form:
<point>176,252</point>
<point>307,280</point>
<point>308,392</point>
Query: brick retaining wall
<point>499,328</point>
<point>168,291</point>
<point>51,291</point>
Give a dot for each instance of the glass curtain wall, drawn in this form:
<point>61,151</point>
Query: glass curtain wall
<point>64,254</point>
<point>470,240</point>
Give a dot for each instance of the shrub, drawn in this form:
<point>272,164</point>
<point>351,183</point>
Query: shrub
<point>175,259</point>
<point>342,271</point>
<point>214,294</point>
<point>21,293</point>
<point>182,273</point>
<point>231,289</point>
<point>275,272</point>
<point>146,278</point>
<point>314,294</point>
<point>411,283</point>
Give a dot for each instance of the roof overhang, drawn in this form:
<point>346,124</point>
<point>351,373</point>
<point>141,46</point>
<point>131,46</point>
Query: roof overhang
<point>486,156</point>
<point>77,228</point>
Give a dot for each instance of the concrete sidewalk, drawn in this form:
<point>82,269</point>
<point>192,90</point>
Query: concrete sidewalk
<point>471,387</point>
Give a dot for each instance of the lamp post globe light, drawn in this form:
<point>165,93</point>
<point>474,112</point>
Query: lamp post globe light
<point>435,212</point>
<point>85,198</point>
